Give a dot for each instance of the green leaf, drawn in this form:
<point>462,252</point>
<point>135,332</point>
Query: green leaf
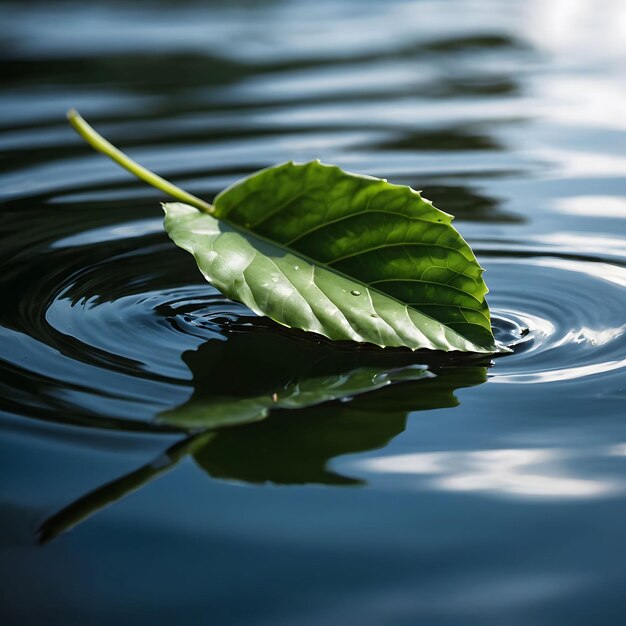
<point>342,255</point>
<point>346,256</point>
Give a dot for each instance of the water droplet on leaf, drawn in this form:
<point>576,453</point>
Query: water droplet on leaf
<point>354,292</point>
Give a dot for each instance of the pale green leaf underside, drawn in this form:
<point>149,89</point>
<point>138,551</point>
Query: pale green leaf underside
<point>346,256</point>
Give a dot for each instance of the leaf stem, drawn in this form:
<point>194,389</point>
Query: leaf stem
<point>99,143</point>
<point>103,496</point>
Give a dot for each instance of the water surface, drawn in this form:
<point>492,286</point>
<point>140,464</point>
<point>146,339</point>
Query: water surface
<point>395,489</point>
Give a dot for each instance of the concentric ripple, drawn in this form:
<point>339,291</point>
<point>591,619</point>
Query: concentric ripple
<point>102,318</point>
<point>563,317</point>
<point>96,326</point>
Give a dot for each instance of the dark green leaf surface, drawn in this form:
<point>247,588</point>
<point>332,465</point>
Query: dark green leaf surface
<point>346,256</point>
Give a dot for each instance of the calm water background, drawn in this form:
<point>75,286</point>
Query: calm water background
<point>494,493</point>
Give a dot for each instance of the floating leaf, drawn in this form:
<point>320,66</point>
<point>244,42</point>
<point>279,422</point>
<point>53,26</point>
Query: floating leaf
<point>346,256</point>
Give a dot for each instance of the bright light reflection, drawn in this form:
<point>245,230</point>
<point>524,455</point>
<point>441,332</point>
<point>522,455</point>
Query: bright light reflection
<point>592,336</point>
<point>139,228</point>
<point>595,206</point>
<point>577,31</point>
<point>568,373</point>
<point>578,164</point>
<point>530,473</point>
<point>598,271</point>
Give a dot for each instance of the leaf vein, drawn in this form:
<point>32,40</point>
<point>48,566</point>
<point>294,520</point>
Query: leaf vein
<point>356,215</point>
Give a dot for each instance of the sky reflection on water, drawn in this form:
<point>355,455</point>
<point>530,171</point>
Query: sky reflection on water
<point>530,473</point>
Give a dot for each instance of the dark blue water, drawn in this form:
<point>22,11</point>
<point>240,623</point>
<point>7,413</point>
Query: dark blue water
<point>433,490</point>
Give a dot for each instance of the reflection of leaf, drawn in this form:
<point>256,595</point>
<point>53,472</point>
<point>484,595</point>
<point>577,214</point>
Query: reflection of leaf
<point>290,446</point>
<point>301,393</point>
<point>99,499</point>
<point>257,374</point>
<point>346,256</point>
<point>294,447</point>
<point>243,379</point>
